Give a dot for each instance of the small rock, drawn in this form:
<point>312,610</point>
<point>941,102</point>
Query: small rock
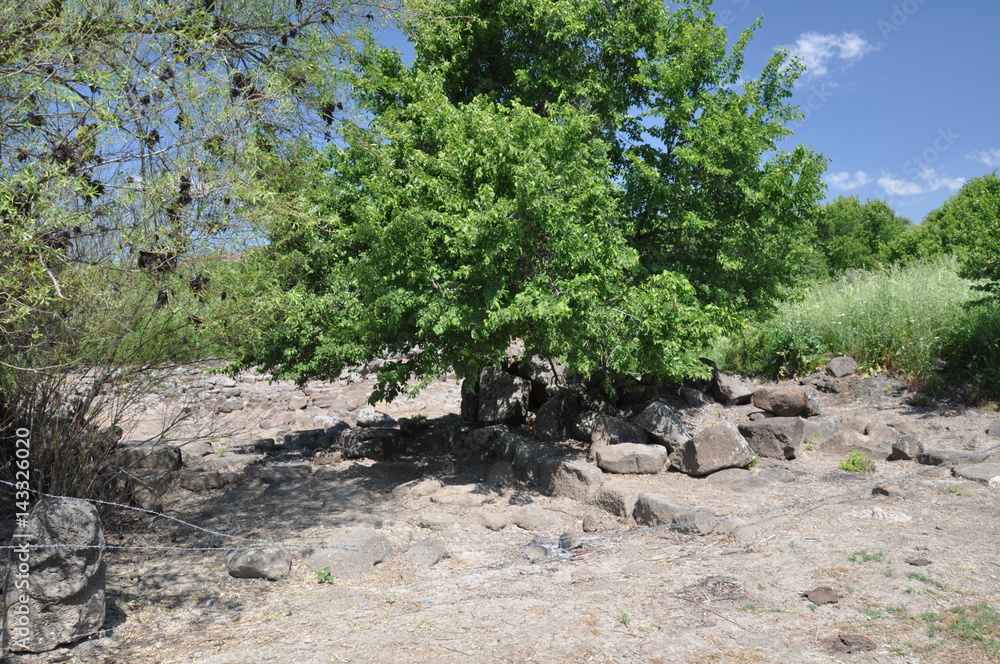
<point>978,472</point>
<point>662,425</point>
<point>906,448</point>
<point>494,520</point>
<point>775,437</point>
<point>353,556</point>
<point>890,490</point>
<point>436,521</point>
<point>415,488</point>
<point>842,366</point>
<point>822,595</point>
<point>270,562</point>
<point>730,389</point>
<point>569,541</point>
<point>230,405</point>
<point>787,401</point>
<point>695,398</point>
<point>369,417</point>
<point>427,553</point>
<point>712,449</point>
<point>918,562</point>
<point>631,458</point>
<point>535,519</point>
<point>591,523</point>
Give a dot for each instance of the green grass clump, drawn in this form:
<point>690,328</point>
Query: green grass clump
<point>905,318</point>
<point>857,462</point>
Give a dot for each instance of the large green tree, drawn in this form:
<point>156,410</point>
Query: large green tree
<point>597,179</point>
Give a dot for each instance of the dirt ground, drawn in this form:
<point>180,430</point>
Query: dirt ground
<point>917,572</point>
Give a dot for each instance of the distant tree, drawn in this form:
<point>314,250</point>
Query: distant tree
<point>964,227</point>
<point>855,236</point>
<point>597,179</point>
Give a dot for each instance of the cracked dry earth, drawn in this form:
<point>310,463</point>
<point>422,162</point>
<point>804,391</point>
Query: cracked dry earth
<point>906,569</point>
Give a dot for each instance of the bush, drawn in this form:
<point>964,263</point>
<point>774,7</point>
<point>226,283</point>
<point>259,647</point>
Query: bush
<point>899,319</point>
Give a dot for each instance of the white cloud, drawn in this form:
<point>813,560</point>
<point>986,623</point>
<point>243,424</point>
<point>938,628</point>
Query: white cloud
<point>847,182</point>
<point>989,157</point>
<point>932,181</point>
<point>817,51</point>
<point>935,181</point>
<point>895,187</point>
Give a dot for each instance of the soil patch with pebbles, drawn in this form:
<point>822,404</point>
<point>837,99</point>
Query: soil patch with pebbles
<point>481,566</point>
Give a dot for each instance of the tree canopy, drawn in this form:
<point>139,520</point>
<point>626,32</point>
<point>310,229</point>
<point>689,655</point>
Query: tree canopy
<point>852,235</point>
<point>597,179</point>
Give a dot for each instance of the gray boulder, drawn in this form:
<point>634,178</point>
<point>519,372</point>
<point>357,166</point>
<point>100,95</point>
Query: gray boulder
<point>662,425</point>
<point>607,430</point>
<point>547,377</point>
<point>839,367</point>
<point>712,449</point>
<point>427,553</point>
<point>818,430</point>
<point>695,397</point>
<point>775,437</point>
<point>846,441</point>
<point>372,443</point>
<point>730,389</point>
<point>266,562</point>
<point>987,473</point>
<point>882,433</point>
<point>503,398</point>
<point>616,498</point>
<point>64,599</point>
<point>632,458</point>
<point>353,556</point>
<point>906,448</point>
<point>554,420</point>
<point>369,417</point>
<point>787,401</point>
<point>578,479</point>
<point>655,510</point>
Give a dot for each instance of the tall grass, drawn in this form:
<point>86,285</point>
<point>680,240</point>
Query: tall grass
<point>914,320</point>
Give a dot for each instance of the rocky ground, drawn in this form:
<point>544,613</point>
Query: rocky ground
<point>442,553</point>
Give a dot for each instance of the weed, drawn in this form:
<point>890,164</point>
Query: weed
<point>977,625</point>
<point>889,574</point>
<point>917,576</point>
<point>754,463</point>
<point>810,447</point>
<point>792,546</point>
<point>750,608</point>
<point>624,618</point>
<point>871,612</point>
<point>901,611</point>
<point>325,575</point>
<point>865,557</point>
<point>813,606</point>
<point>955,490</point>
<point>390,598</point>
<point>857,462</point>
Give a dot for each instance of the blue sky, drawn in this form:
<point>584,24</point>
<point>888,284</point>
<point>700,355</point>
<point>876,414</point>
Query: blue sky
<point>902,96</point>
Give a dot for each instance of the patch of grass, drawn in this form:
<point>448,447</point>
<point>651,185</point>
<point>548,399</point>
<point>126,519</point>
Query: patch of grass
<point>889,574</point>
<point>975,626</point>
<point>917,576</point>
<point>863,556</point>
<point>903,319</point>
<point>871,612</point>
<point>857,462</point>
<point>750,608</point>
